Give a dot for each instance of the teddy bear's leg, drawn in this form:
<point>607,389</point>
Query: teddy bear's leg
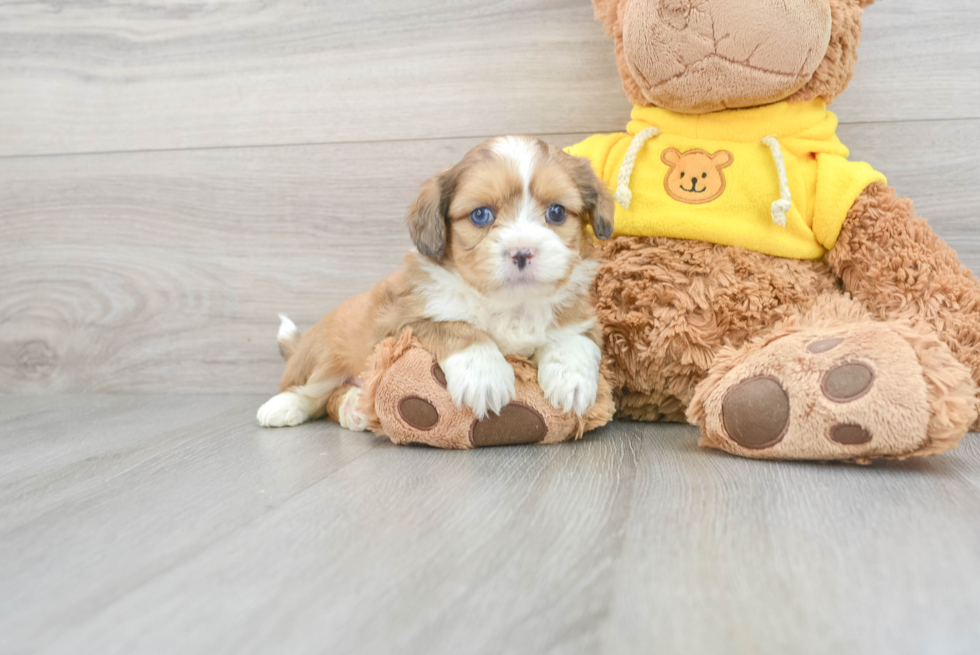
<point>837,384</point>
<point>892,262</point>
<point>405,398</point>
<point>668,306</point>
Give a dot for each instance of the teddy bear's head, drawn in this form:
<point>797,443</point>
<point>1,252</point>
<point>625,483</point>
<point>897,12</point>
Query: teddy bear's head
<point>699,56</point>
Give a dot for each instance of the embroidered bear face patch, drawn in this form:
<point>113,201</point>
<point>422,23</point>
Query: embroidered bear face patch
<point>696,176</point>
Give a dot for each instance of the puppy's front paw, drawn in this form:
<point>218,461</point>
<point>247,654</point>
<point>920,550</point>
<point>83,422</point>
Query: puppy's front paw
<point>568,374</point>
<point>480,378</point>
<point>348,416</point>
<point>283,410</point>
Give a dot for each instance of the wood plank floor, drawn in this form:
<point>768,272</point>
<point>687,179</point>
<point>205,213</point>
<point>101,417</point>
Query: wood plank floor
<point>172,524</point>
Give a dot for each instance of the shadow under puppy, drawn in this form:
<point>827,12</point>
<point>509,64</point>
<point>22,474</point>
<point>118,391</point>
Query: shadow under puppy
<point>504,266</point>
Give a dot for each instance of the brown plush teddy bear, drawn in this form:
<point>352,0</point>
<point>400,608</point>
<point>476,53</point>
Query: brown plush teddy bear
<point>760,285</point>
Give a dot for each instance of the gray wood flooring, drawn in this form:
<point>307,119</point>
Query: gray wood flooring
<point>173,173</point>
<point>172,524</point>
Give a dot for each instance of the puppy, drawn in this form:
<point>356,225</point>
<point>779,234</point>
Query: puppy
<point>504,265</point>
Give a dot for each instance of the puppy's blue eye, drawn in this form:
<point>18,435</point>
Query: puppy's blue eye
<point>556,215</point>
<point>482,216</point>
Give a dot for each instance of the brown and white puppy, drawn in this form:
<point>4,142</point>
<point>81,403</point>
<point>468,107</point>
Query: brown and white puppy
<point>504,266</point>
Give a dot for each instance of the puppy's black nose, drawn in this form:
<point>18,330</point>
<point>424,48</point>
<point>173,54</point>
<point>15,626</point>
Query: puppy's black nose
<point>521,258</point>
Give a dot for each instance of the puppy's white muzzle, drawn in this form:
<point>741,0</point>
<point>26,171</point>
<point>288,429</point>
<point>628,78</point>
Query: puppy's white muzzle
<point>531,254</point>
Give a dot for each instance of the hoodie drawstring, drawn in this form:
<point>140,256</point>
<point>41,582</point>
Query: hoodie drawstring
<point>779,209</point>
<point>623,194</point>
<point>785,203</point>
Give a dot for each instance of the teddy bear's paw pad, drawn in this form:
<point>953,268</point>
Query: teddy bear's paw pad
<point>756,413</point>
<point>858,394</point>
<point>418,412</point>
<point>849,434</point>
<point>821,346</point>
<point>848,382</point>
<point>516,424</point>
<point>439,376</point>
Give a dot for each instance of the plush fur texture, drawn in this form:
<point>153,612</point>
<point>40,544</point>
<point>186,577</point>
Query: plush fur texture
<point>669,306</point>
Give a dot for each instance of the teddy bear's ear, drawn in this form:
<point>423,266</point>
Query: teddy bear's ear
<point>671,156</point>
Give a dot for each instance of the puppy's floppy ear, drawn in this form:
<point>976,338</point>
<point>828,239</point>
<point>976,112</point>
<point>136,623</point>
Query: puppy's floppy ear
<point>427,217</point>
<point>599,207</point>
<point>603,212</point>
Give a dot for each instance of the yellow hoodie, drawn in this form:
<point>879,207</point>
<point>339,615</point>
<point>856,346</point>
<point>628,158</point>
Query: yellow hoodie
<point>773,179</point>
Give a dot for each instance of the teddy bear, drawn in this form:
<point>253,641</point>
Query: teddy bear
<point>759,285</point>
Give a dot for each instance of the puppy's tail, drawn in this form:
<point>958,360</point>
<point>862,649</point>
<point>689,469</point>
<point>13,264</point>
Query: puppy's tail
<point>288,337</point>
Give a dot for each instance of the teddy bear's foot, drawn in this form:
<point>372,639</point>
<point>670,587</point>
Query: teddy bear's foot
<point>855,392</point>
<point>414,406</point>
<point>406,399</point>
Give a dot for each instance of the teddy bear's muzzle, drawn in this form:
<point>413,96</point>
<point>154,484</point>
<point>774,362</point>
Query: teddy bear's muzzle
<point>698,56</point>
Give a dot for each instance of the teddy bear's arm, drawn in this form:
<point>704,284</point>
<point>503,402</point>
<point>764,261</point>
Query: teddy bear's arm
<point>896,266</point>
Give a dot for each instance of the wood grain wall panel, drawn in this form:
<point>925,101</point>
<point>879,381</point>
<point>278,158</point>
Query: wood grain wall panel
<point>164,271</point>
<point>163,74</point>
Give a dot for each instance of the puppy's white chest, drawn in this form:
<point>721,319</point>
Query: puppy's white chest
<point>518,326</point>
<point>520,330</point>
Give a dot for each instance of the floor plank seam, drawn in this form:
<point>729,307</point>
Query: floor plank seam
<point>434,139</point>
